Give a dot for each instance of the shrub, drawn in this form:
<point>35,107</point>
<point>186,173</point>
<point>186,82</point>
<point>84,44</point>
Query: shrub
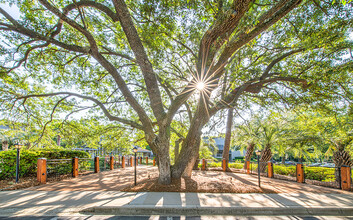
<point>28,160</point>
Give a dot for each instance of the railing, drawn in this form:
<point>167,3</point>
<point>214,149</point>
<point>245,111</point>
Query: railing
<point>56,168</point>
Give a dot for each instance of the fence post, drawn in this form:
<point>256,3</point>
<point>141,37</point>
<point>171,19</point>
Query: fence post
<point>247,167</point>
<point>300,173</point>
<point>154,161</point>
<point>96,164</point>
<point>146,160</point>
<point>75,167</point>
<point>203,164</point>
<point>270,169</point>
<point>123,162</point>
<point>224,165</point>
<point>111,163</point>
<point>42,170</point>
<point>345,177</point>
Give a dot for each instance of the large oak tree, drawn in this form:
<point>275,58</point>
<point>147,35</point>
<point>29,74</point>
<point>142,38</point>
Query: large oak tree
<point>151,64</point>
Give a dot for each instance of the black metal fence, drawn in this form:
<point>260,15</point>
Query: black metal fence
<point>56,168</point>
<point>322,176</point>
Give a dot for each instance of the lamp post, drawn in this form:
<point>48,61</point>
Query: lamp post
<point>135,151</point>
<point>18,147</point>
<point>258,153</point>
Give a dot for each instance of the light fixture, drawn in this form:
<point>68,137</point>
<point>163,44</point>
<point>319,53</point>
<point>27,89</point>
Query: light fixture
<point>258,152</point>
<point>135,149</point>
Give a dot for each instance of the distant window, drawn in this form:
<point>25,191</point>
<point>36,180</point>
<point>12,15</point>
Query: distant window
<point>219,153</point>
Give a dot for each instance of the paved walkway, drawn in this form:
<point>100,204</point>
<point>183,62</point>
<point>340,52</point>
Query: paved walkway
<point>99,194</point>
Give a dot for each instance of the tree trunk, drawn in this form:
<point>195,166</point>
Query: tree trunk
<point>341,157</point>
<point>176,149</point>
<point>284,159</point>
<point>249,153</point>
<point>5,145</point>
<point>228,137</point>
<point>164,166</point>
<point>58,141</point>
<point>196,165</point>
<point>191,145</point>
<point>266,156</point>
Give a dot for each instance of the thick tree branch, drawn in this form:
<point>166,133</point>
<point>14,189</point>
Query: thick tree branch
<point>100,104</point>
<point>142,59</point>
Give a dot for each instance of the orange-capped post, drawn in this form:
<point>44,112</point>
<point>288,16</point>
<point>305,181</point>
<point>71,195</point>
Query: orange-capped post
<point>146,160</point>
<point>42,170</point>
<point>345,177</point>
<point>123,162</point>
<point>154,161</point>
<point>111,163</point>
<point>300,173</point>
<point>96,164</point>
<point>247,167</point>
<point>75,167</point>
<point>224,165</point>
<point>270,169</point>
<point>203,164</point>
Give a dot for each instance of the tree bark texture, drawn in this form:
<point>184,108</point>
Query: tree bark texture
<point>228,137</point>
<point>5,145</point>
<point>249,153</point>
<point>266,156</point>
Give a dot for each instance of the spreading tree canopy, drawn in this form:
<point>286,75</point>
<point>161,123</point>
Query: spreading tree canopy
<point>165,67</point>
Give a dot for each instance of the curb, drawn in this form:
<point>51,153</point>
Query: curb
<point>229,211</point>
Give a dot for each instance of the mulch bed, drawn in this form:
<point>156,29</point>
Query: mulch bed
<point>215,182</point>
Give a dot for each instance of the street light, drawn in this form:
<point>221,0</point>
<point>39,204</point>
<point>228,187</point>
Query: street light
<point>135,151</point>
<point>18,147</point>
<point>258,153</point>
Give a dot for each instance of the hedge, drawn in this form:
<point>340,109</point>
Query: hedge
<point>28,160</point>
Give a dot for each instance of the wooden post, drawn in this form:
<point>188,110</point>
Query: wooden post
<point>270,169</point>
<point>247,167</point>
<point>111,163</point>
<point>146,160</point>
<point>300,173</point>
<point>42,170</point>
<point>96,164</point>
<point>131,161</point>
<point>75,167</point>
<point>224,165</point>
<point>122,162</point>
<point>154,161</point>
<point>346,177</point>
<point>203,164</point>
<point>140,160</point>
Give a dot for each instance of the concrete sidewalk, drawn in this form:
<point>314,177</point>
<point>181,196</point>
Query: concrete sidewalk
<point>74,203</point>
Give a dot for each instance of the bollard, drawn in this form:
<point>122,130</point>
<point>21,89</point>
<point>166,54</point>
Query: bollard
<point>42,170</point>
<point>122,162</point>
<point>247,167</point>
<point>140,160</point>
<point>111,163</point>
<point>300,173</point>
<point>224,165</point>
<point>154,161</point>
<point>270,169</point>
<point>146,160</point>
<point>345,177</point>
<point>75,167</point>
<point>203,164</point>
<point>96,164</point>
